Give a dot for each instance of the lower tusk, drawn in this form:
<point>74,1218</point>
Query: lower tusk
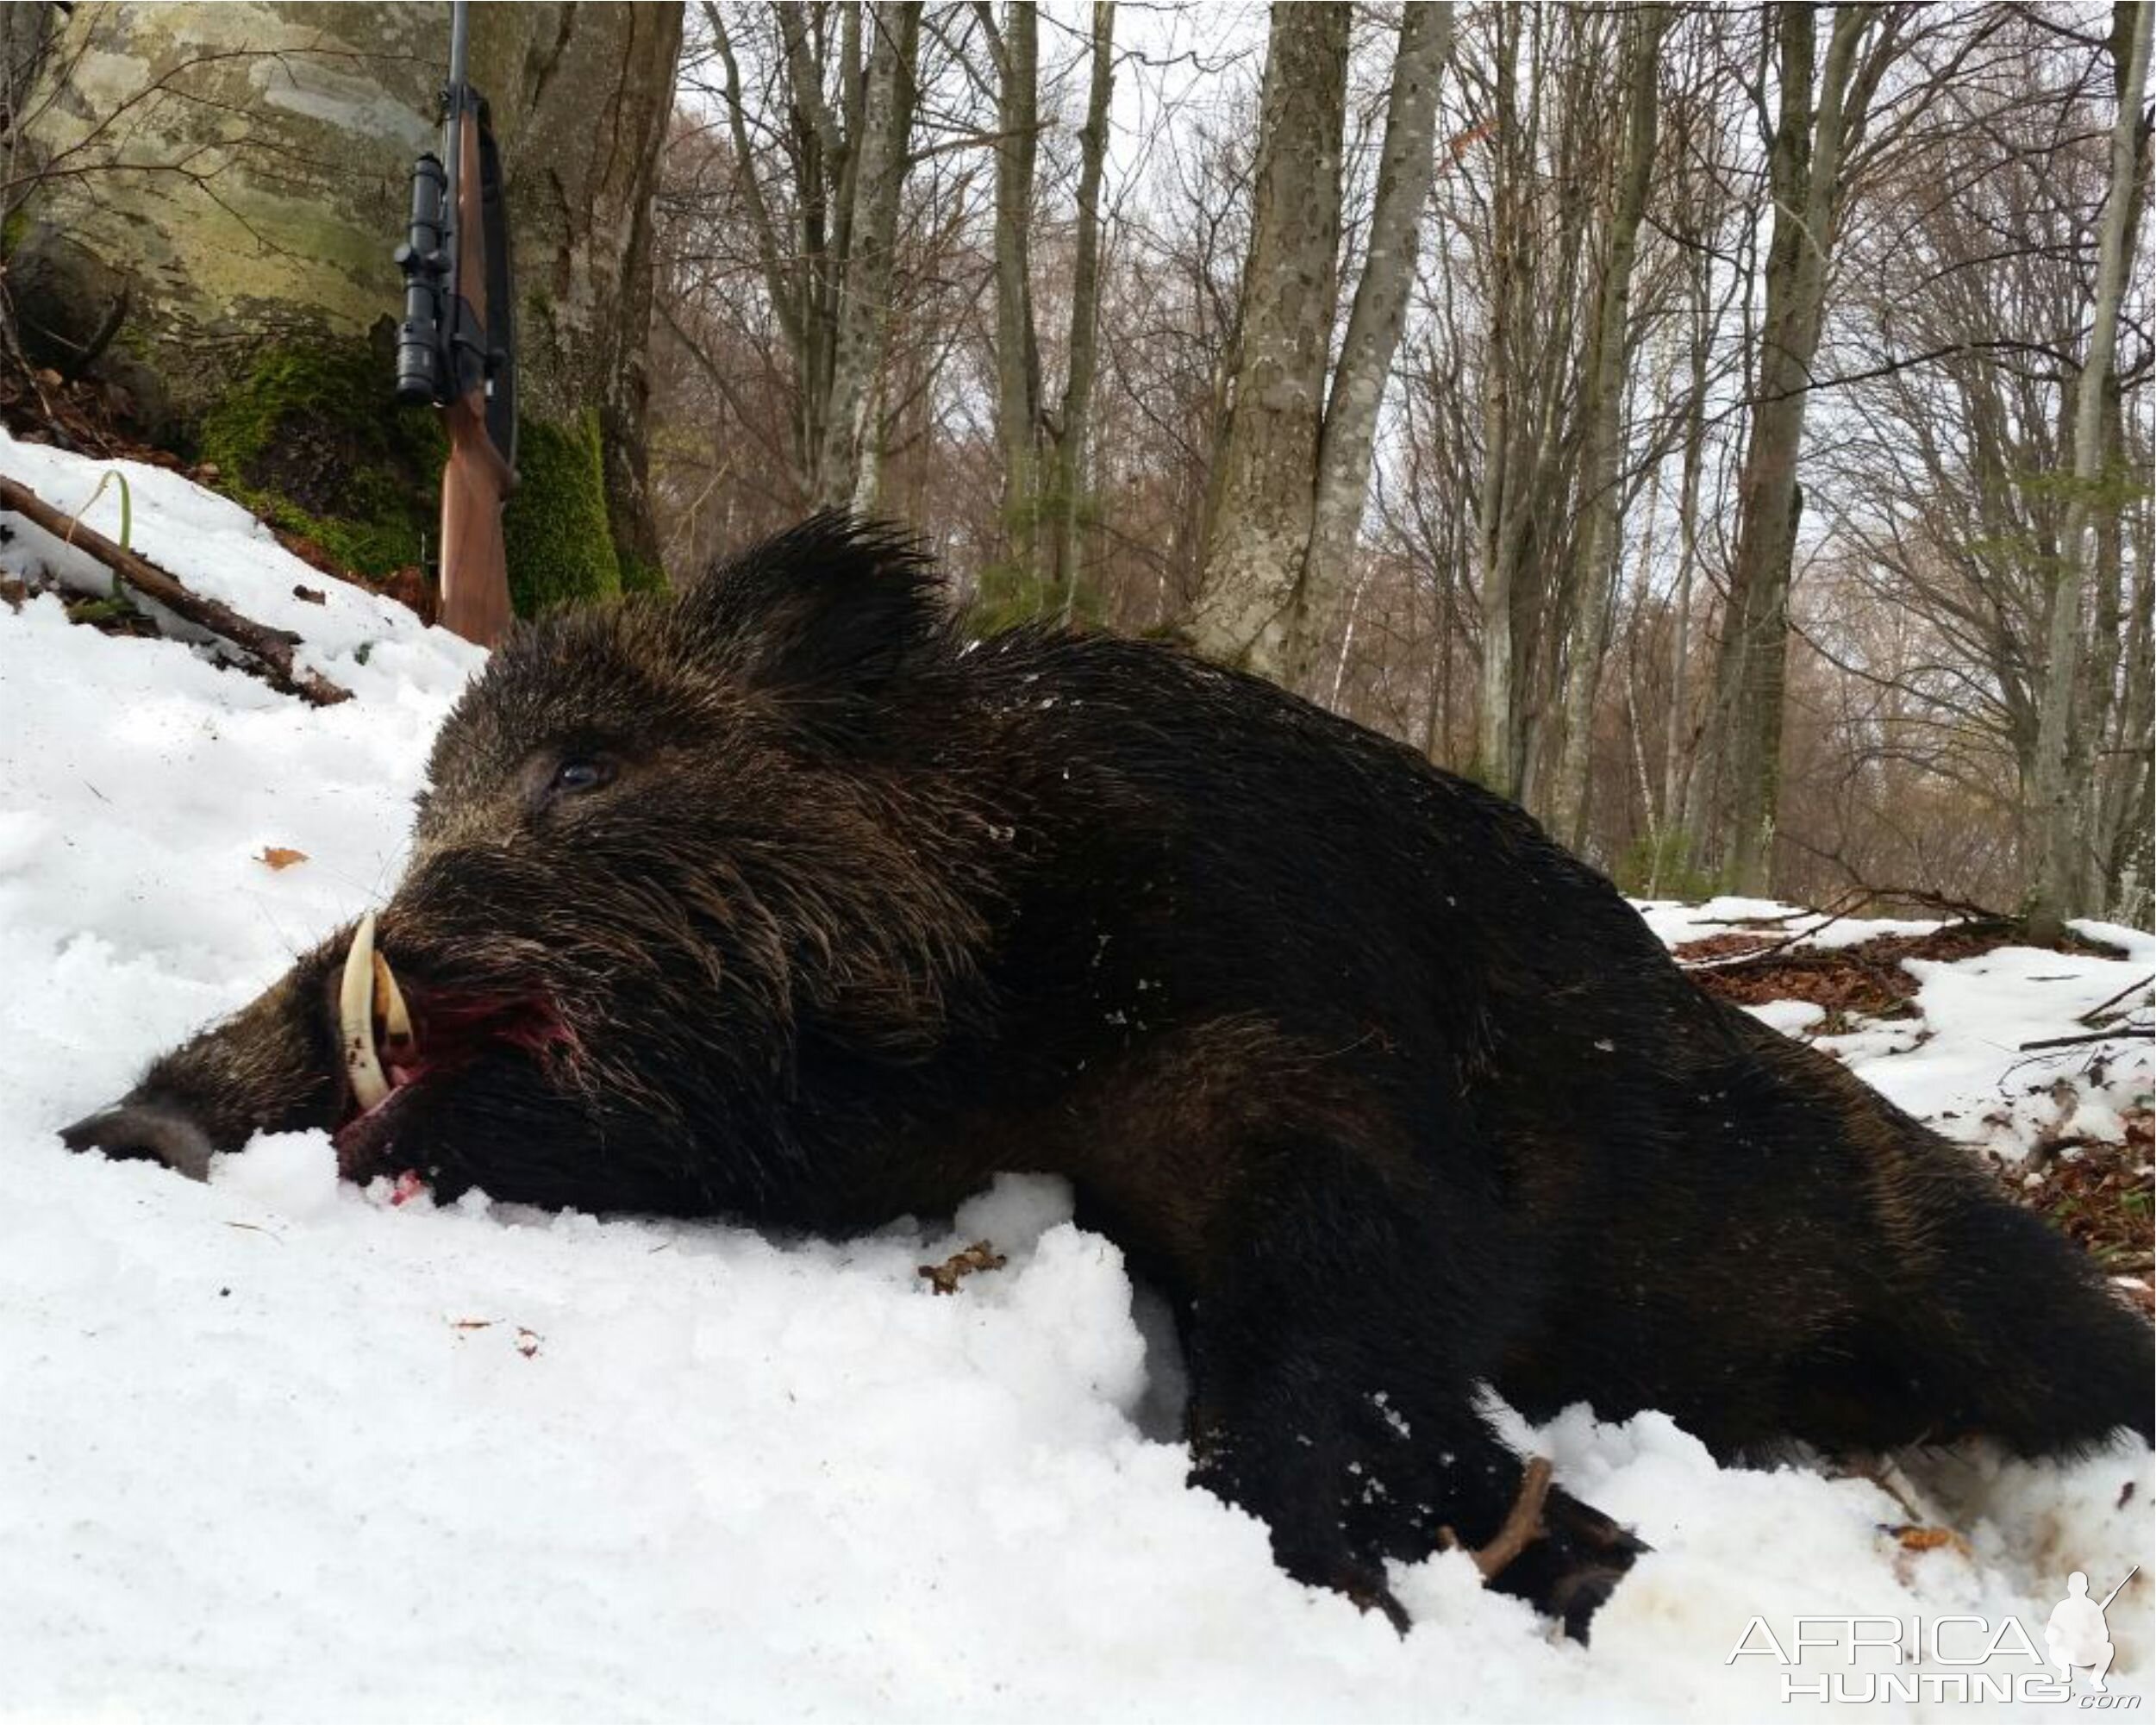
<point>389,1005</point>
<point>355,1017</point>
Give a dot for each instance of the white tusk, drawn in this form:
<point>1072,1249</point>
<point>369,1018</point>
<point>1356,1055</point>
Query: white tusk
<point>355,1017</point>
<point>389,1004</point>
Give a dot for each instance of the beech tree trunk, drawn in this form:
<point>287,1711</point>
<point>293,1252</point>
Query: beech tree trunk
<point>1594,553</point>
<point>1677,755</point>
<point>847,467</point>
<point>1348,438</point>
<point>1810,139</point>
<point>1017,57</point>
<point>1074,425</point>
<point>1261,524</point>
<point>2063,775</point>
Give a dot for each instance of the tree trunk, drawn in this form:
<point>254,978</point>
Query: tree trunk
<point>1017,348</point>
<point>1677,755</point>
<point>1348,438</point>
<point>240,288</point>
<point>1261,526</point>
<point>1805,174</point>
<point>1074,424</point>
<point>2130,797</point>
<point>1496,729</point>
<point>2063,773</point>
<point>847,468</point>
<point>1594,560</point>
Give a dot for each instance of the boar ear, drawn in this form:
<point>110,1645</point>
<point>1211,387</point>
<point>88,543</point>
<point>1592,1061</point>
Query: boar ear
<point>824,616</point>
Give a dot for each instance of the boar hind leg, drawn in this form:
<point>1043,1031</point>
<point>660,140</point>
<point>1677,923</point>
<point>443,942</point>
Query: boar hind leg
<point>1333,1392</point>
<point>1965,1316</point>
<point>1995,1327</point>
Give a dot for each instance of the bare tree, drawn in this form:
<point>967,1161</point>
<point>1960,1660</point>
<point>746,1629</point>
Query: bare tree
<point>1593,553</point>
<point>1347,439</point>
<point>1260,525</point>
<point>1822,112</point>
<point>847,469</point>
<point>1074,424</point>
<point>849,127</point>
<point>1532,225</point>
<point>2064,781</point>
<point>1017,51</point>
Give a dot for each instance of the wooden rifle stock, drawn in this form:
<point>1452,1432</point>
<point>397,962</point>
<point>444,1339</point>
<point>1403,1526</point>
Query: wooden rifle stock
<point>476,479</point>
<point>475,484</point>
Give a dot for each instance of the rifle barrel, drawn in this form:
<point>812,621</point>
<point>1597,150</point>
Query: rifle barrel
<point>459,44</point>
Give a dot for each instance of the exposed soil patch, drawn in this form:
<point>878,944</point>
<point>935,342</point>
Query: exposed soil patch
<point>2100,1195</point>
<point>1867,980</point>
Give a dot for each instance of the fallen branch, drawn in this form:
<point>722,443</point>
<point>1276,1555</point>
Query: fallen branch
<point>2103,1007</point>
<point>1523,1524</point>
<point>1772,948</point>
<point>273,648</point>
<point>2135,1031</point>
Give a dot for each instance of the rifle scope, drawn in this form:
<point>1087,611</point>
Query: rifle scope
<point>419,371</point>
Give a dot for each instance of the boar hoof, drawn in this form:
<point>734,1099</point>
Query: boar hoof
<point>143,1132</point>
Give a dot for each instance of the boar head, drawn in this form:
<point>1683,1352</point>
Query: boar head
<point>684,871</point>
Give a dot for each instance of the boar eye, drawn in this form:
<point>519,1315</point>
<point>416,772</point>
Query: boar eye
<point>581,772</point>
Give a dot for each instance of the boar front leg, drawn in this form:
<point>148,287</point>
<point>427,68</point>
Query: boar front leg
<point>1333,1391</point>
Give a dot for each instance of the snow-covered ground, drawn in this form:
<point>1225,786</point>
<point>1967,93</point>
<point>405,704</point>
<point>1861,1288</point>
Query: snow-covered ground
<point>273,1448</point>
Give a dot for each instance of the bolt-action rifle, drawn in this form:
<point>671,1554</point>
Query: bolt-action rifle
<point>456,349</point>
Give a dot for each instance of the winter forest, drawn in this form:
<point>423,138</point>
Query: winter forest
<point>1724,429</point>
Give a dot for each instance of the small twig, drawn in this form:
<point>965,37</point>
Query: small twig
<point>1522,1525</point>
<point>272,647</point>
<point>2098,1010</point>
<point>1883,1471</point>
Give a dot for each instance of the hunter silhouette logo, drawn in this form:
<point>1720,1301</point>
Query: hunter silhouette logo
<point>1958,1656</point>
<point>2077,1636</point>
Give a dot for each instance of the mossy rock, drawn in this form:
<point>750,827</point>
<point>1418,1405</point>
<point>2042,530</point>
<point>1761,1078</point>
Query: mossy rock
<point>312,442</point>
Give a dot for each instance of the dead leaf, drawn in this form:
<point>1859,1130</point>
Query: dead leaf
<point>946,1275</point>
<point>1912,1538</point>
<point>277,856</point>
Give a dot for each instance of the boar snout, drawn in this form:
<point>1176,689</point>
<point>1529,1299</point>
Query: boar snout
<point>144,1131</point>
<point>271,1067</point>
